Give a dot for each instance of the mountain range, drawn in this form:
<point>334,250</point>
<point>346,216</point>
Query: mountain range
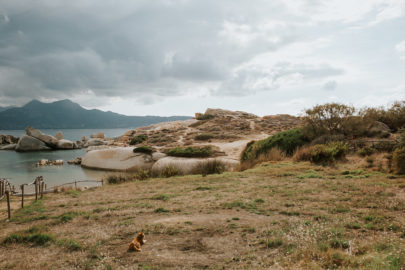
<point>65,114</point>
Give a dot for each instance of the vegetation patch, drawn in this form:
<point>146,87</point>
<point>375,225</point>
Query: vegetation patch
<point>398,160</point>
<point>143,149</point>
<point>204,117</point>
<point>287,141</point>
<point>209,167</point>
<point>321,153</point>
<point>138,139</point>
<point>195,152</point>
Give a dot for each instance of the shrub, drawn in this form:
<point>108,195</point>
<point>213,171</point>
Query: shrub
<point>190,152</point>
<point>117,178</point>
<point>138,139</point>
<point>143,149</point>
<point>204,117</point>
<point>169,171</point>
<point>204,136</point>
<point>287,141</point>
<point>209,167</point>
<point>142,174</point>
<point>393,117</point>
<point>328,118</point>
<point>327,138</point>
<point>322,153</point>
<point>398,160</point>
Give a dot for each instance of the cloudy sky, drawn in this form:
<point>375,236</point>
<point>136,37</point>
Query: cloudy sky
<point>176,57</point>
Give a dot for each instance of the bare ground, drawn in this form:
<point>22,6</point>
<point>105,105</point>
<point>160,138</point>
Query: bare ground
<point>281,215</point>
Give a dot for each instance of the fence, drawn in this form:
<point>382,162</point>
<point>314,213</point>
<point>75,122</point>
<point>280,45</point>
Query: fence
<point>39,187</point>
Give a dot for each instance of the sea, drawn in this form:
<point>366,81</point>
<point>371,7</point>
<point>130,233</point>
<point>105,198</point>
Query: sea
<point>20,168</point>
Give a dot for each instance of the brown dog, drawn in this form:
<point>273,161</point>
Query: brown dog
<point>136,244</point>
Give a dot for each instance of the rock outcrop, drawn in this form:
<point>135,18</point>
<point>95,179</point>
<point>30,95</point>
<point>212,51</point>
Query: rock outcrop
<point>28,143</point>
<point>8,147</point>
<point>49,140</point>
<point>8,139</point>
<point>117,159</point>
<point>66,144</point>
<point>59,135</point>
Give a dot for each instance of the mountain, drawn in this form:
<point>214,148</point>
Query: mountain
<point>2,109</point>
<point>67,114</point>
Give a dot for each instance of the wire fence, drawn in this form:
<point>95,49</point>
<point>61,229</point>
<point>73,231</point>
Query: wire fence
<point>36,188</point>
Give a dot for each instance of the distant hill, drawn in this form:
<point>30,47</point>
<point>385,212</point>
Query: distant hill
<point>2,109</point>
<point>67,114</point>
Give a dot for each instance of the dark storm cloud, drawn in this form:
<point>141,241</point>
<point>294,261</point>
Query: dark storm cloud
<point>54,49</point>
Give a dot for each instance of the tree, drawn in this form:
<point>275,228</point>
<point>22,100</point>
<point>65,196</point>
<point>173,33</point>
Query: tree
<point>329,118</point>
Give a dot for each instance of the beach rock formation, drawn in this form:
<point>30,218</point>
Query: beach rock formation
<point>8,139</point>
<point>28,143</point>
<point>94,142</point>
<point>99,135</point>
<point>8,146</point>
<point>59,135</point>
<point>45,162</point>
<point>117,159</point>
<point>66,144</point>
<point>49,140</point>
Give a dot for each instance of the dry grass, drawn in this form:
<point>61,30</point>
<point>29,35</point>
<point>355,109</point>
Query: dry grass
<point>281,214</point>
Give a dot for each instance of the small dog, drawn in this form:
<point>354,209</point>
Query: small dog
<point>136,244</point>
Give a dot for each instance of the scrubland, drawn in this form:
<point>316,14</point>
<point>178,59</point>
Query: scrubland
<point>284,214</point>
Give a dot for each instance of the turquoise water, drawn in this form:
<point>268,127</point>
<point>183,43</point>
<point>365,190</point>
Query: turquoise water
<point>20,167</point>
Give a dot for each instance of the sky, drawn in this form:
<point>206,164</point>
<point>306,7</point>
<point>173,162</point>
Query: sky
<point>178,57</point>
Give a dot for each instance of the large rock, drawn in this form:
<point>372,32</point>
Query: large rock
<point>28,143</point>
<point>59,135</point>
<point>66,144</point>
<point>49,140</point>
<point>190,165</point>
<point>8,147</point>
<point>117,159</point>
<point>378,129</point>
<point>95,142</point>
<point>99,135</point>
<point>8,139</point>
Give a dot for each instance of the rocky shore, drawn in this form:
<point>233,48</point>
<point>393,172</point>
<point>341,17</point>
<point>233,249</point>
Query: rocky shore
<point>226,133</point>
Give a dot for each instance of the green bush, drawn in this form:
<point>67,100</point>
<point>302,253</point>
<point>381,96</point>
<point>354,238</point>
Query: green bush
<point>190,152</point>
<point>287,141</point>
<point>205,117</point>
<point>393,117</point>
<point>322,153</point>
<point>204,136</point>
<point>117,179</point>
<point>143,149</point>
<point>328,153</point>
<point>398,160</point>
<point>138,139</point>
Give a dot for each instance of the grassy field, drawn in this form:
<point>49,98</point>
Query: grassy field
<point>281,215</point>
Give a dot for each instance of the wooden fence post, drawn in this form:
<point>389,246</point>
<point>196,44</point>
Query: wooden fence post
<point>42,189</point>
<point>8,204</point>
<point>22,196</point>
<point>36,189</point>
